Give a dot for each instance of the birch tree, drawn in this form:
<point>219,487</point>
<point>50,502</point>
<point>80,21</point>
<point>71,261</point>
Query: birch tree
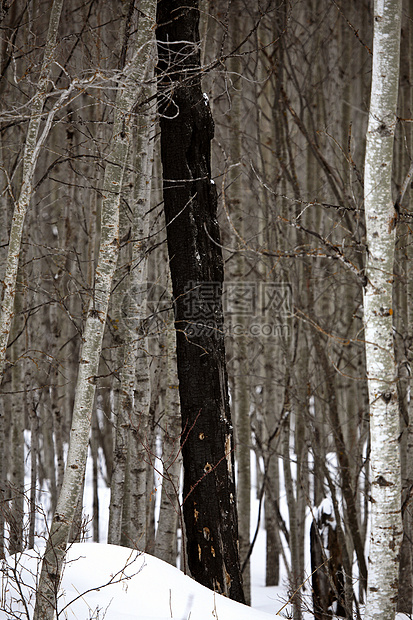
<point>129,87</point>
<point>132,411</point>
<point>386,524</point>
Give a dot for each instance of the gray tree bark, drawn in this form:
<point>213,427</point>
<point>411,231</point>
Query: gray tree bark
<point>133,401</point>
<point>236,205</point>
<point>30,156</point>
<point>170,515</point>
<point>129,88</point>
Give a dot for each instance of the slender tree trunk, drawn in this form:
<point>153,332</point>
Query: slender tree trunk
<point>128,92</point>
<point>30,156</point>
<point>237,207</point>
<point>403,294</point>
<point>17,427</point>
<point>386,524</point>
<point>136,384</point>
<point>94,452</point>
<point>170,511</point>
<point>34,452</point>
<point>133,402</point>
<point>3,254</point>
<point>3,477</point>
<point>190,203</point>
<point>295,578</point>
<point>343,459</point>
<point>271,132</point>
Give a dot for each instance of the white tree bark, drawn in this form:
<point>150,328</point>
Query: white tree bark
<point>130,85</point>
<point>30,156</point>
<point>135,345</point>
<point>386,523</point>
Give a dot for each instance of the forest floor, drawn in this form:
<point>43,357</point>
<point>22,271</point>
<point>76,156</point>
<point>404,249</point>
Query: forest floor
<point>105,582</point>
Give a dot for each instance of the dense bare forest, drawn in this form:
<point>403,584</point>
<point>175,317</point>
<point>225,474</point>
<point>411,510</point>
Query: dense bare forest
<point>188,265</point>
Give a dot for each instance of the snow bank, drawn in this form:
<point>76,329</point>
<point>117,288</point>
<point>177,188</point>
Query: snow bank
<point>115,583</point>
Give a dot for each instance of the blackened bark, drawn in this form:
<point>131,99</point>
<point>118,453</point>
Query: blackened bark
<point>190,203</point>
<point>326,568</point>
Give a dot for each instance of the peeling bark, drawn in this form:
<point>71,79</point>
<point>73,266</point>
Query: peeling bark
<point>386,523</point>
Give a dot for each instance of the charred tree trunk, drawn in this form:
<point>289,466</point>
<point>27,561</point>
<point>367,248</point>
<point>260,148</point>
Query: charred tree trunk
<point>190,203</point>
<point>326,564</point>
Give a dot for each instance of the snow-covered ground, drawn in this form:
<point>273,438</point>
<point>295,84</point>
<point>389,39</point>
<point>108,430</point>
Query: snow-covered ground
<point>115,583</point>
<point>107,582</point>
